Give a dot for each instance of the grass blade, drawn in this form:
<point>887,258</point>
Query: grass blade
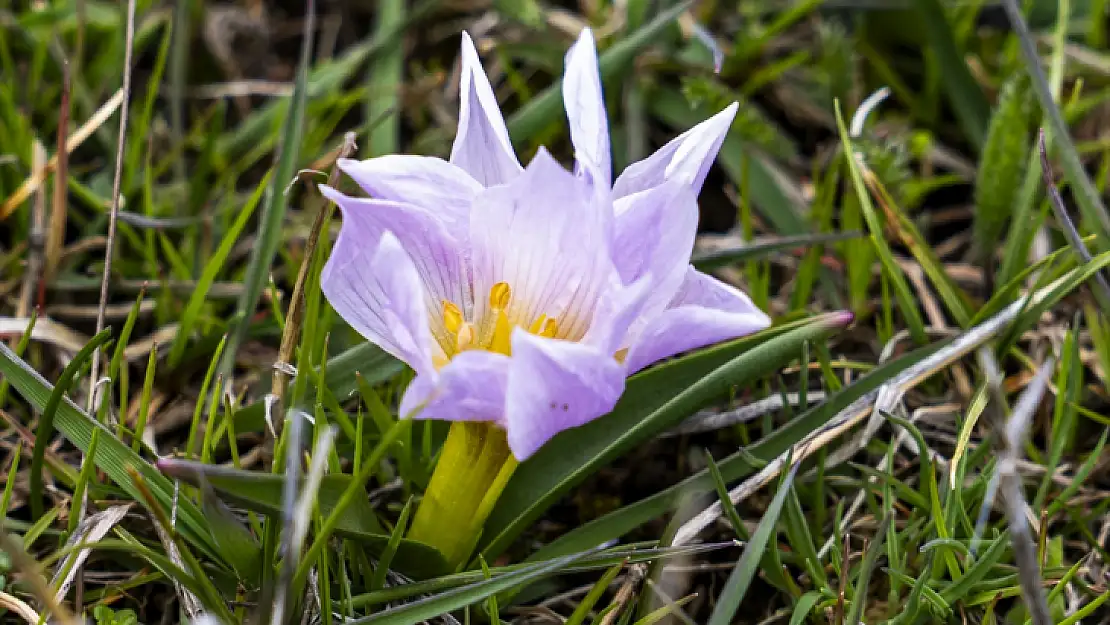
<point>211,270</point>
<point>46,424</point>
<point>113,457</point>
<point>737,585</point>
<point>273,215</point>
<point>384,80</point>
<point>1090,201</point>
<point>965,95</point>
<point>437,605</point>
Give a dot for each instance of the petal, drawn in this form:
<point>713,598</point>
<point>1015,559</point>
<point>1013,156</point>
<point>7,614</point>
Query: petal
<point>585,104</point>
<point>470,388</point>
<point>482,146</point>
<point>436,255</point>
<point>554,385</point>
<point>372,283</point>
<point>703,312</point>
<point>618,308</point>
<point>546,236</point>
<point>424,181</point>
<point>686,158</point>
<point>653,232</point>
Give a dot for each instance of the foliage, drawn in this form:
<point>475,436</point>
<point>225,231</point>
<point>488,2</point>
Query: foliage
<point>831,474</point>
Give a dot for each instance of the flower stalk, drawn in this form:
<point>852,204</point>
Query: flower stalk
<point>472,471</point>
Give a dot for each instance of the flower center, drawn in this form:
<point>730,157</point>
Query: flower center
<point>495,331</point>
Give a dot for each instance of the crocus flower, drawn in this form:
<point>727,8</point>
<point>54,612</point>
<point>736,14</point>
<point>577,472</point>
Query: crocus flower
<point>526,296</point>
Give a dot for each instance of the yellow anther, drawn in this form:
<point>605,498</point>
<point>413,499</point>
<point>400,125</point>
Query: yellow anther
<point>537,325</point>
<point>550,327</point>
<point>499,296</point>
<point>452,317</point>
<point>464,337</point>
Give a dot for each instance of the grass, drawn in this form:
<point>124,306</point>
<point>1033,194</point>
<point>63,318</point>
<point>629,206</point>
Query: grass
<point>941,459</point>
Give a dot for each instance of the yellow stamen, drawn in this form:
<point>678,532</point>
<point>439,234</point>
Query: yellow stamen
<point>465,336</point>
<point>499,296</point>
<point>502,335</point>
<point>538,324</point>
<point>452,317</point>
<point>550,327</point>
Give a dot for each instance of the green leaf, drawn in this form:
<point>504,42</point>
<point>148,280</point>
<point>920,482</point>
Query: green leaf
<point>1003,164</point>
<point>617,556</point>
<point>653,401</point>
<point>262,492</point>
<point>907,302</point>
<point>384,78</point>
<point>737,585</point>
<point>45,431</point>
<point>113,457</point>
<point>395,537</point>
<point>241,547</point>
<point>965,95</point>
<point>860,597</point>
<point>803,607</point>
<point>659,614</point>
<point>1064,286</point>
<point>594,595</point>
<point>434,606</point>
<point>977,571</point>
<point>1086,194</point>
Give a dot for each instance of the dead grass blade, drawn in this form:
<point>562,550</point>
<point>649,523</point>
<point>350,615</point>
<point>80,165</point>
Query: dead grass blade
<point>35,180</point>
<point>91,530</point>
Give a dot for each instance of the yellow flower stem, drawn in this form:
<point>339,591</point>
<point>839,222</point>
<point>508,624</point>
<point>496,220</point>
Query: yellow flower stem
<point>473,469</point>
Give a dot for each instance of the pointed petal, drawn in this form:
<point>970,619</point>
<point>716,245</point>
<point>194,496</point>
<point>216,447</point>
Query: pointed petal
<point>482,146</point>
<point>686,158</point>
<point>424,181</point>
<point>705,311</point>
<point>653,232</point>
<point>585,105</point>
<point>470,388</point>
<point>554,385</point>
<point>545,235</point>
<point>372,283</point>
<point>435,254</point>
<point>619,307</point>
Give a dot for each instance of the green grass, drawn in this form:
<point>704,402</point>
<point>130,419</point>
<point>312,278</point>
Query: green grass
<point>877,504</point>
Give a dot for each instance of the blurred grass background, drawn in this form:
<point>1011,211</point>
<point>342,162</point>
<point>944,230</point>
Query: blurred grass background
<point>865,464</point>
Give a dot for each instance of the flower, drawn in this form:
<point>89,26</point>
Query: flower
<point>526,296</point>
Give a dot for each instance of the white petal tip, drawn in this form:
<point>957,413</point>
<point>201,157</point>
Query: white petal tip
<point>725,117</point>
<point>330,192</point>
<point>345,164</point>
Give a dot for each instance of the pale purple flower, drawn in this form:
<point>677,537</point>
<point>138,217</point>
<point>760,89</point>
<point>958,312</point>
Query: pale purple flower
<point>526,296</point>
